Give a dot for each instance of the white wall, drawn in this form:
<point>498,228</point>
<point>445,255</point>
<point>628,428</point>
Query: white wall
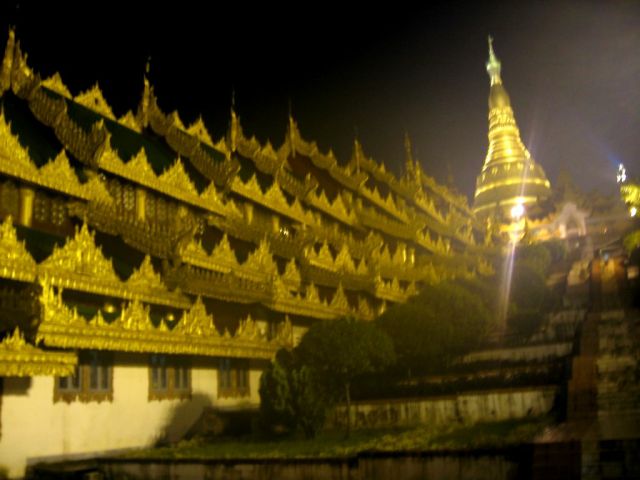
<point>34,428</point>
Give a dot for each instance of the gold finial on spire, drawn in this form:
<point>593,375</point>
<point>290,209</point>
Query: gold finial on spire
<point>142,117</point>
<point>7,62</point>
<point>408,152</point>
<point>493,65</point>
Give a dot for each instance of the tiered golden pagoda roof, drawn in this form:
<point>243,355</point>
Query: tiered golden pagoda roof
<point>127,233</point>
<point>509,175</point>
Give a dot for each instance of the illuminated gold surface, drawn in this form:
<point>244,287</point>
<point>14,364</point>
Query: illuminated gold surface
<point>133,331</point>
<point>15,261</point>
<point>358,245</point>
<point>509,171</point>
<point>20,359</point>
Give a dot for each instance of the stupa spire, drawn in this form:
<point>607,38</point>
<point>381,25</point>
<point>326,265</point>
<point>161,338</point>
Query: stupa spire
<point>509,175</point>
<point>493,65</point>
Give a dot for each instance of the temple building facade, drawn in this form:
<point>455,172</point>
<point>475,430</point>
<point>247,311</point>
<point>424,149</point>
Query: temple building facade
<point>510,178</point>
<point>149,272</point>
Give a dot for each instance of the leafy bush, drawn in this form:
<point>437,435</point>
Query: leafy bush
<point>300,386</point>
<point>529,291</point>
<point>444,321</point>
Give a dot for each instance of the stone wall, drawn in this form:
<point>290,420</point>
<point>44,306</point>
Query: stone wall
<point>467,408</point>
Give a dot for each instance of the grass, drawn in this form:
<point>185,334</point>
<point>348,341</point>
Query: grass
<point>334,443</point>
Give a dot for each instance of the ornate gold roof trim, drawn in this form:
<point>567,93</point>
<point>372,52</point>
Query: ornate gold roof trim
<point>133,331</point>
<point>328,162</point>
<point>145,284</point>
<point>388,205</point>
<point>440,246</point>
<point>222,258</point>
<point>339,302</point>
<point>16,162</point>
<point>188,143</point>
<point>94,100</point>
<point>291,275</point>
<point>55,84</point>
<point>308,305</point>
<point>259,266</point>
<point>322,259</point>
<point>389,290</point>
<point>371,218</point>
<point>273,199</point>
<point>129,120</point>
<point>20,359</point>
<point>336,209</point>
<point>427,204</point>
<point>199,131</point>
<point>15,261</point>
<point>365,312</point>
<point>173,182</point>
<point>80,265</point>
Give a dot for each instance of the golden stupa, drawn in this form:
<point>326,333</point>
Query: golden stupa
<point>509,176</point>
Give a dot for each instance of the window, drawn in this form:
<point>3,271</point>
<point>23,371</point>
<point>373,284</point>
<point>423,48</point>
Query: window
<point>233,378</point>
<point>92,380</point>
<point>169,378</point>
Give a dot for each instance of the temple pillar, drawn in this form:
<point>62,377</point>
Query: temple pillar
<point>27,196</point>
<point>141,203</point>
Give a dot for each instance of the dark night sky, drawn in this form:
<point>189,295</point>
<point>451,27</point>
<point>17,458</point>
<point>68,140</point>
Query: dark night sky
<point>572,70</point>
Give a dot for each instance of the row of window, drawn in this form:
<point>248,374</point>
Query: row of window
<point>169,378</point>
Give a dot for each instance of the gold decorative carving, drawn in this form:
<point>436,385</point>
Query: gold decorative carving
<point>259,265</point>
<point>146,283</point>
<point>188,143</point>
<point>273,199</point>
<point>94,100</point>
<point>7,62</point>
<point>197,322</point>
<point>55,84</point>
<point>336,209</point>
<point>328,162</point>
<point>344,262</point>
<point>388,205</point>
<point>291,276</point>
<point>15,261</point>
<point>248,329</point>
<point>178,178</point>
<point>389,290</point>
<point>284,335</point>
<point>339,302</point>
<point>222,258</point>
<point>16,162</point>
<point>79,261</point>
<point>96,191</point>
<point>365,312</point>
<point>199,130</point>
<point>58,175</point>
<point>322,259</point>
<point>20,359</point>
<point>133,331</point>
<point>174,182</point>
<point>14,155</point>
<point>129,120</point>
<point>80,265</point>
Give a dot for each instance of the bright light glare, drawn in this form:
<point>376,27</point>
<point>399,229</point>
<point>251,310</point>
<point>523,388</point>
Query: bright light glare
<point>517,211</point>
<point>621,177</point>
<point>633,211</point>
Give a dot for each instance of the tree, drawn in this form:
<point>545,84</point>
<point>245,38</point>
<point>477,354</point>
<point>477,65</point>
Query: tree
<point>338,351</point>
<point>528,289</point>
<point>535,256</point>
<point>289,397</point>
<point>441,323</point>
